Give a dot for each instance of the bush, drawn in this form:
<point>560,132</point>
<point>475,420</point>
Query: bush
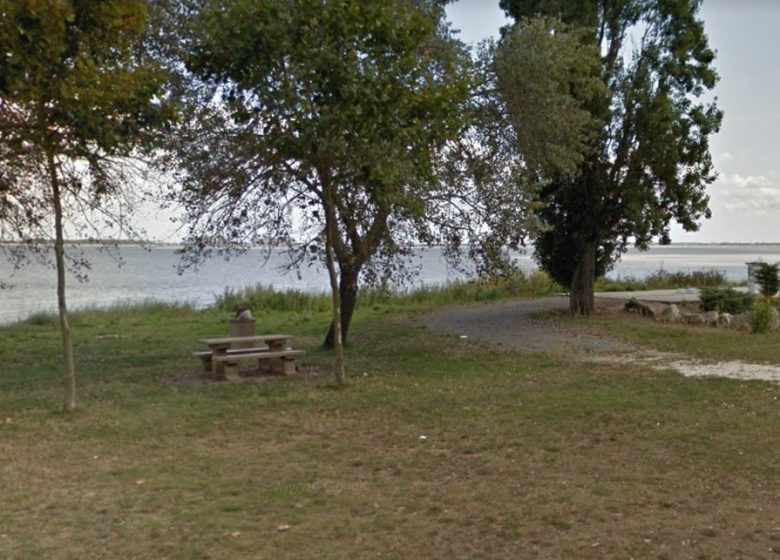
<point>725,300</point>
<point>766,275</point>
<point>761,316</point>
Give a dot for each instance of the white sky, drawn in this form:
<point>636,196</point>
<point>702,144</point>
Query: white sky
<point>745,200</point>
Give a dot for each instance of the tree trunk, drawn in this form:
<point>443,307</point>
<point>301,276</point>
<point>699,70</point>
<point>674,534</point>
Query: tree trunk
<point>59,255</point>
<point>581,293</point>
<point>330,234</point>
<point>348,291</point>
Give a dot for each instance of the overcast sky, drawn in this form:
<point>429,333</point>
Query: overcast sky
<point>745,200</point>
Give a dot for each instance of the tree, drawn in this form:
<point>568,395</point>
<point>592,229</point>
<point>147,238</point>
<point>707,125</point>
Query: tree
<point>76,97</point>
<point>650,162</point>
<point>322,128</point>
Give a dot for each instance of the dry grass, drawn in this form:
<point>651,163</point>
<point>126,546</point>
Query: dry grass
<point>523,456</point>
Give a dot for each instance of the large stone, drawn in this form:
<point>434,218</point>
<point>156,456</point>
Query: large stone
<point>635,306</point>
<point>670,314</point>
<point>711,318</point>
<point>740,322</point>
<point>774,321</point>
<point>692,318</point>
<point>724,320</point>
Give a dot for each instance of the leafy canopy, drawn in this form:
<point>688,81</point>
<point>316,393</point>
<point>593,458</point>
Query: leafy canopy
<point>74,86</point>
<point>650,162</point>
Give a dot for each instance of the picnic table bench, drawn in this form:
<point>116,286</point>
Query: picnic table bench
<point>271,350</point>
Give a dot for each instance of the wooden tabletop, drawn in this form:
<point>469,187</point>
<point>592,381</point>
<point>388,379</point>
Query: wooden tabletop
<point>254,338</point>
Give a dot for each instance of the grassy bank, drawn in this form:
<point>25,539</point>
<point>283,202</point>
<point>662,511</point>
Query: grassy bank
<point>440,447</point>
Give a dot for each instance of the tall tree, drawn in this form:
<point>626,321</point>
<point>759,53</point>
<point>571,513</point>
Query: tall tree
<point>650,163</point>
<point>322,129</point>
<point>76,97</point>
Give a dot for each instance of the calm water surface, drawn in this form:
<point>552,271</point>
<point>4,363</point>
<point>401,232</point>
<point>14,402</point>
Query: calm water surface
<point>152,275</point>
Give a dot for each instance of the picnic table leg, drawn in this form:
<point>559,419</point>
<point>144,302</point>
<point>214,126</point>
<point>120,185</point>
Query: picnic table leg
<point>218,366</point>
<point>230,371</point>
<point>288,365</point>
<point>276,364</point>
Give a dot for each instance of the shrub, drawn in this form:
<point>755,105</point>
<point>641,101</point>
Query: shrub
<point>761,316</point>
<point>766,275</point>
<point>725,300</point>
<point>663,279</point>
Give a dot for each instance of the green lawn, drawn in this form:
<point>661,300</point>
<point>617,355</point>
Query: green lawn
<point>439,448</point>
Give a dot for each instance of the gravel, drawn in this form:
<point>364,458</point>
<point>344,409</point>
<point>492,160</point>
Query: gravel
<point>522,325</point>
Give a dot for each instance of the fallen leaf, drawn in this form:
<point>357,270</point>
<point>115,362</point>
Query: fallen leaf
<point>284,527</point>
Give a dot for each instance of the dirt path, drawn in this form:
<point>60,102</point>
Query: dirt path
<point>521,325</point>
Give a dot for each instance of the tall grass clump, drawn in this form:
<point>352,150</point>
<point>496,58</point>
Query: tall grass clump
<point>761,316</point>
<point>663,280</point>
<point>514,286</point>
<point>265,298</point>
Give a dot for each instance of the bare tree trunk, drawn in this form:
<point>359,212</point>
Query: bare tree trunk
<point>581,300</point>
<point>59,254</point>
<point>348,290</point>
<point>330,235</point>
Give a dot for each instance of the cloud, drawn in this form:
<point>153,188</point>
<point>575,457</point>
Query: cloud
<point>756,195</point>
<point>724,157</point>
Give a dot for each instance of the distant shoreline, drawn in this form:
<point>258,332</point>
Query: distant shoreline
<point>179,245</point>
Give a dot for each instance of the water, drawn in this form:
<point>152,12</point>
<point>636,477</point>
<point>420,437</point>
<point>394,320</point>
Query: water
<point>152,275</point>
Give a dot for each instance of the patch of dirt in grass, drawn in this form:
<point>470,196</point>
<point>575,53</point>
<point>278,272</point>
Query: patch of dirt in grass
<point>694,368</point>
<point>189,377</point>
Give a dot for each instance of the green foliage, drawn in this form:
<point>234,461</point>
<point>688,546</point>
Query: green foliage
<point>761,316</point>
<point>546,74</point>
<point>767,277</point>
<point>725,300</point>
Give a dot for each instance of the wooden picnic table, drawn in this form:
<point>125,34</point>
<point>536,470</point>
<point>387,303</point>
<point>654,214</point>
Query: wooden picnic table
<point>224,351</point>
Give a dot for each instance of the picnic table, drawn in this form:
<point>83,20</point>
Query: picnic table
<point>271,350</point>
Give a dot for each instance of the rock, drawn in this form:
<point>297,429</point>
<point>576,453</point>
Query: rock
<point>692,318</point>
<point>740,322</point>
<point>774,322</point>
<point>724,320</point>
<point>635,306</point>
<point>670,314</point>
<point>711,318</point>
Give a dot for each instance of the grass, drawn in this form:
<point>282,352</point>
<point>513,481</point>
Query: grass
<point>706,344</point>
<point>523,455</point>
<point>664,280</point>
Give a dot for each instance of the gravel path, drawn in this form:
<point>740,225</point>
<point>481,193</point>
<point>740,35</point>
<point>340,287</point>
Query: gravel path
<point>522,325</point>
<point>518,324</point>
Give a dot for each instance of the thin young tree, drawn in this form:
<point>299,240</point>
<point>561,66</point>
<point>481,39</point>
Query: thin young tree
<point>77,97</point>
